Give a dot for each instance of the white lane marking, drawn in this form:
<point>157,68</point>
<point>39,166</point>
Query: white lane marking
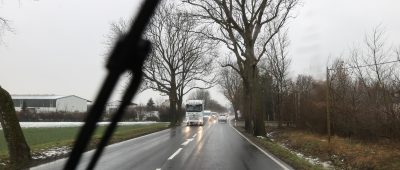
<point>158,169</point>
<point>194,135</point>
<point>187,141</point>
<point>262,150</point>
<point>176,153</point>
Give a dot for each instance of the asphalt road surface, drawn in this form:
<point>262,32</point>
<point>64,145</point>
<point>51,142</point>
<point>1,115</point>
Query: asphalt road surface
<point>214,146</point>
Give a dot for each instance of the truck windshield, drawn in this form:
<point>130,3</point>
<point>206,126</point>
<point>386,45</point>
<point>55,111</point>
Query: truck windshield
<point>194,108</point>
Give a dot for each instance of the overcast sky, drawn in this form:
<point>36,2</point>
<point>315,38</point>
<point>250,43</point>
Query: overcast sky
<point>58,46</point>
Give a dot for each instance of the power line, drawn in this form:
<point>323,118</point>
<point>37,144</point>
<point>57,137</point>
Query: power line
<point>368,65</point>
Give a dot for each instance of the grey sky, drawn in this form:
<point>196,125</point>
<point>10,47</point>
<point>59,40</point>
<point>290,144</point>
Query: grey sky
<point>326,28</point>
<point>58,45</point>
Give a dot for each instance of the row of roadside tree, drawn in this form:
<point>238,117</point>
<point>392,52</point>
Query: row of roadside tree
<point>361,92</point>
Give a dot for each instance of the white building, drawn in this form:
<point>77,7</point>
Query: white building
<point>50,103</point>
<point>112,107</point>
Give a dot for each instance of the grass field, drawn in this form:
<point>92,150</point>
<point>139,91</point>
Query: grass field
<point>43,138</point>
<point>345,153</point>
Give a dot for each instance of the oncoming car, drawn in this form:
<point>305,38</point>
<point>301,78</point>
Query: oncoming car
<point>223,118</point>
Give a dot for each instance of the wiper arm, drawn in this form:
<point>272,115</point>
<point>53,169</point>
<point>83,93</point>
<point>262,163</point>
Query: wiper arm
<point>129,54</point>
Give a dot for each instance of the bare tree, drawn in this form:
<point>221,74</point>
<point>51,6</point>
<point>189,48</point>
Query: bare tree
<point>118,29</point>
<point>373,65</point>
<point>362,91</point>
<point>18,149</point>
<point>209,103</point>
<point>213,105</point>
<point>266,92</point>
<point>376,54</point>
<point>304,85</point>
<point>278,64</point>
<point>245,28</point>
<point>341,98</point>
<point>201,94</point>
<point>180,60</point>
<point>4,26</point>
<point>230,82</point>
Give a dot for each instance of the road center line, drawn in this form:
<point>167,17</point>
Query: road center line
<point>176,153</point>
<point>187,141</point>
<point>158,169</point>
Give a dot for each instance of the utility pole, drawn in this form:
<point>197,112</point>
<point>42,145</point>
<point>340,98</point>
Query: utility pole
<point>328,114</point>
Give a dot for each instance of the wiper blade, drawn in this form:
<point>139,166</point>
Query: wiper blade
<point>129,54</point>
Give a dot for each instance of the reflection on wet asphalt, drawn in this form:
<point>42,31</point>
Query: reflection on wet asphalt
<point>212,146</point>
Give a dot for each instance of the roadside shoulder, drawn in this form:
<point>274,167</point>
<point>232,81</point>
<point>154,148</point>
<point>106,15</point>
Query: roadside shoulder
<point>279,154</point>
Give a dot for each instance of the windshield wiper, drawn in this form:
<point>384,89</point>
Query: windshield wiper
<point>128,54</point>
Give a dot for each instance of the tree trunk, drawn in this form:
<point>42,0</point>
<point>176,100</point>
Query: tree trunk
<point>235,109</point>
<point>252,101</point>
<point>247,108</point>
<point>179,110</point>
<point>172,110</point>
<point>259,124</point>
<point>18,149</point>
<point>279,108</point>
<point>173,99</point>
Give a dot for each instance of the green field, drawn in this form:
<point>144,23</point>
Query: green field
<point>42,138</point>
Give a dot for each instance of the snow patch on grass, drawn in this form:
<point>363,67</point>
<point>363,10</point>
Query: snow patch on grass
<point>312,160</point>
<point>260,137</point>
<point>270,136</point>
<point>52,152</point>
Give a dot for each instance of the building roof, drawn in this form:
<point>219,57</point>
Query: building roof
<point>42,96</point>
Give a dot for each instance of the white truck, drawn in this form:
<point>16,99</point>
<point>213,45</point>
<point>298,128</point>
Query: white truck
<point>194,112</point>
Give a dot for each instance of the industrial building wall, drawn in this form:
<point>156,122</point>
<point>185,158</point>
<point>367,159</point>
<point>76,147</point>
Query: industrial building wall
<point>36,105</point>
<point>39,109</point>
<point>71,104</point>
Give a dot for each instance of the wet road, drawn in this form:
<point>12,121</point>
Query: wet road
<point>212,146</point>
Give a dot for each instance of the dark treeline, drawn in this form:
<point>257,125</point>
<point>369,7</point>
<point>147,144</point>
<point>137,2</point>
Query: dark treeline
<point>26,116</point>
<point>138,113</point>
<point>209,103</point>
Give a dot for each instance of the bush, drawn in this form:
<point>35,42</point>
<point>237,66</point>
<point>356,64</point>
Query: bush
<point>153,118</point>
<point>51,116</point>
<point>164,114</point>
